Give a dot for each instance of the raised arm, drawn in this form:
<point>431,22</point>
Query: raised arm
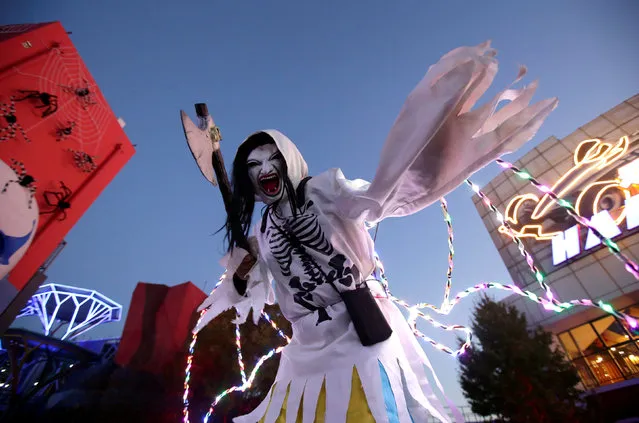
<point>437,141</point>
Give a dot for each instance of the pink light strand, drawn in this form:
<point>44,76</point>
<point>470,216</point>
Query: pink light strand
<point>630,265</point>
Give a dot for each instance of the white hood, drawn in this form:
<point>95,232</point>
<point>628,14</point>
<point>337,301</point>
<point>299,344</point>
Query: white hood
<point>297,167</point>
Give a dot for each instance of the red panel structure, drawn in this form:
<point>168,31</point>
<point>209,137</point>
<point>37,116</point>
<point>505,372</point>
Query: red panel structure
<point>159,322</point>
<point>10,31</point>
<point>56,127</point>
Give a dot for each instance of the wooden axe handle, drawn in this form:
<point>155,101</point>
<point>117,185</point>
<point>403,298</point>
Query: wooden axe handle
<point>202,112</point>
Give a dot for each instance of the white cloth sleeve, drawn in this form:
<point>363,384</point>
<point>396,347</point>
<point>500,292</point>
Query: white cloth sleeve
<point>258,292</point>
<point>437,141</point>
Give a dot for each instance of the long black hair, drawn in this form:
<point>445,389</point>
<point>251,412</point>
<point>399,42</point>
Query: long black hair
<point>238,222</point>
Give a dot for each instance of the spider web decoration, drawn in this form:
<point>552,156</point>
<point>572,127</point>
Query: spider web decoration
<point>38,60</point>
<point>62,74</point>
<point>82,309</point>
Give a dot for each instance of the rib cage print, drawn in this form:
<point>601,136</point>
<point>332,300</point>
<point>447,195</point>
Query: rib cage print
<point>293,238</point>
<point>303,230</point>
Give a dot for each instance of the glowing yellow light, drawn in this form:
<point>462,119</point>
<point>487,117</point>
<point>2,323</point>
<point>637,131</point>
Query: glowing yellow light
<point>595,202</point>
<point>613,349</point>
<point>599,359</point>
<point>590,157</point>
<point>629,174</point>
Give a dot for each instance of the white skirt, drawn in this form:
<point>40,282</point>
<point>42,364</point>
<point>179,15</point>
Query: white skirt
<point>325,366</point>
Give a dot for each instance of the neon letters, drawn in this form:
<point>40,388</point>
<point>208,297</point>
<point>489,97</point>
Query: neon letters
<point>590,158</point>
<point>608,200</point>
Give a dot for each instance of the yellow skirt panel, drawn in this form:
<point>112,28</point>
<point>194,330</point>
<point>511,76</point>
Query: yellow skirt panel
<point>358,410</point>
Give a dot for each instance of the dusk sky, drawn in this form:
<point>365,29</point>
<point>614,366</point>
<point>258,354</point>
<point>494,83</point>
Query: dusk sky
<point>332,75</point>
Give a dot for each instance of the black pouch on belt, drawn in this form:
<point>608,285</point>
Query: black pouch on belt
<point>369,321</point>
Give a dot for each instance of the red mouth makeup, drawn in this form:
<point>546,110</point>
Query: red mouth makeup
<point>270,184</point>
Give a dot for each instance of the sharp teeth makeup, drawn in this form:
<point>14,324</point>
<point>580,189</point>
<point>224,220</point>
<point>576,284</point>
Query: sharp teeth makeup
<point>265,169</point>
<point>270,184</point>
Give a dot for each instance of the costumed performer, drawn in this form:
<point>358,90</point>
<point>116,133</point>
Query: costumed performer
<point>352,357</point>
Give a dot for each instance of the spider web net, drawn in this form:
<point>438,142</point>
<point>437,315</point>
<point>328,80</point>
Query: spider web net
<point>62,73</point>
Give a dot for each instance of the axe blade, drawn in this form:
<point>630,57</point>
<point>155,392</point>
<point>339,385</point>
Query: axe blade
<point>201,146</point>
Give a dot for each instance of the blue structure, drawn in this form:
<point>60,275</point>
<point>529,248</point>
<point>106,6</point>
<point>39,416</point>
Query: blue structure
<point>81,309</point>
<point>35,366</point>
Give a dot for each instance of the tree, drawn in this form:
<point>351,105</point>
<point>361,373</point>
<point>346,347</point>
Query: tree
<point>216,368</point>
<point>515,373</point>
<point>109,393</point>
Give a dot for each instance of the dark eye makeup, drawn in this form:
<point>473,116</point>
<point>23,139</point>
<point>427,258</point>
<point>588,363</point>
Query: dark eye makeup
<point>275,156</point>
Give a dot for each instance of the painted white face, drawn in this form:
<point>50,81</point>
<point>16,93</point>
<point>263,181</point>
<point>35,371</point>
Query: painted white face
<point>18,219</point>
<point>265,168</point>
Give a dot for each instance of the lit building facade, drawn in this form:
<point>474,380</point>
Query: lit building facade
<point>596,168</point>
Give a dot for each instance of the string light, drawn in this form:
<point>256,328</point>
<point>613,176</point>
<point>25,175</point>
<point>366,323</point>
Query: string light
<point>451,252</point>
<point>187,372</point>
<point>629,265</point>
<point>520,245</point>
<point>591,156</point>
<point>550,303</point>
<point>244,386</point>
<point>238,345</point>
<point>414,311</point>
<point>189,361</point>
<point>274,325</point>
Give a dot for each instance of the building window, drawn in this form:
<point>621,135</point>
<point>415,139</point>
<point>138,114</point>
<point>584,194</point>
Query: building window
<point>610,331</point>
<point>603,351</point>
<point>604,368</point>
<point>634,312</point>
<point>586,376</point>
<point>627,356</point>
<point>569,345</point>
<point>587,339</point>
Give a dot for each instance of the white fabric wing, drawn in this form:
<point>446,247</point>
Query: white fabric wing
<point>437,141</point>
<point>258,293</point>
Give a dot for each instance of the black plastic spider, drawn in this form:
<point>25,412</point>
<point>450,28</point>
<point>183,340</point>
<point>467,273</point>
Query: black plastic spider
<point>8,112</point>
<point>84,161</point>
<point>24,180</point>
<point>48,102</point>
<point>84,93</point>
<point>64,132</point>
<point>59,201</point>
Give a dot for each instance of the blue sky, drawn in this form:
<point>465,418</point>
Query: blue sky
<point>332,75</point>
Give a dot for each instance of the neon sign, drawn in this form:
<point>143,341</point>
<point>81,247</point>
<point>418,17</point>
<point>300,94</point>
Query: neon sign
<point>596,188</point>
<point>567,244</point>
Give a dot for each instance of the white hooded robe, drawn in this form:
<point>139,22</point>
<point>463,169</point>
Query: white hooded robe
<point>434,145</point>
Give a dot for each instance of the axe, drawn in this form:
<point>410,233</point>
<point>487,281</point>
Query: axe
<point>203,140</point>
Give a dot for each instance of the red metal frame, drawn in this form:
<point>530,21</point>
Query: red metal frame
<point>43,58</point>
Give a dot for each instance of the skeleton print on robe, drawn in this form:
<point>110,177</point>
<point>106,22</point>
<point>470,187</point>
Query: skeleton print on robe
<point>437,141</point>
<point>300,237</point>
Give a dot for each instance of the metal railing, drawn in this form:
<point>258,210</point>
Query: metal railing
<point>54,255</point>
